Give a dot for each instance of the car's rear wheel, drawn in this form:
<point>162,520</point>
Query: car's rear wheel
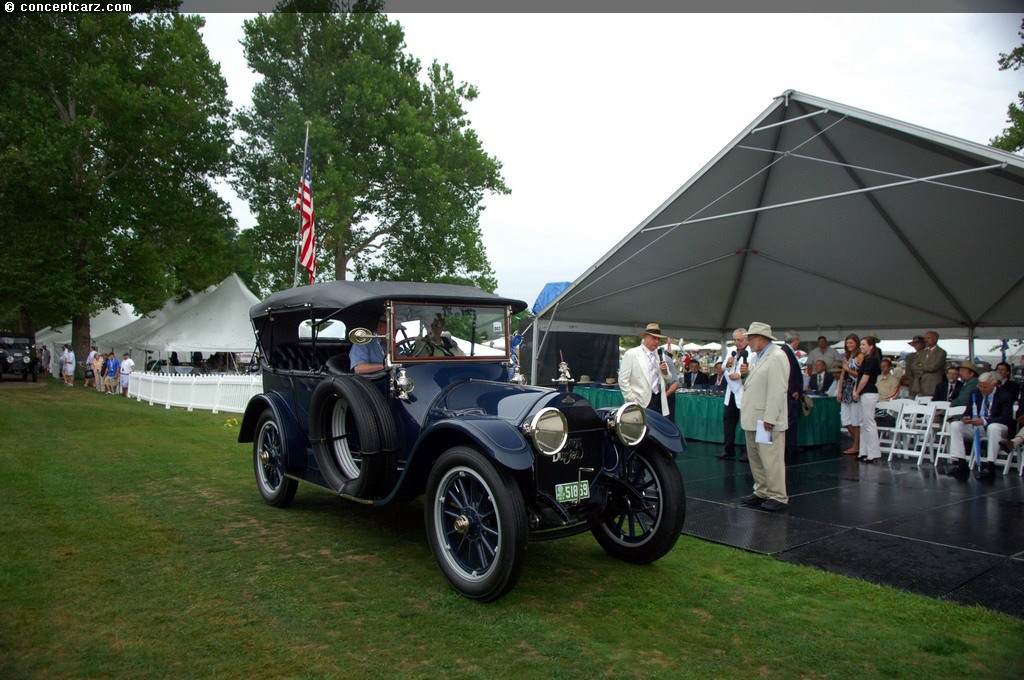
<point>268,459</point>
<point>476,524</point>
<point>645,515</point>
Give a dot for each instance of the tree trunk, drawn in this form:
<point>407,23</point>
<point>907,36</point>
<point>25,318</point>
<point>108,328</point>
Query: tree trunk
<point>81,338</point>
<point>340,260</point>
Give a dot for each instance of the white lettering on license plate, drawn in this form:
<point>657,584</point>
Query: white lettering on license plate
<point>573,491</point>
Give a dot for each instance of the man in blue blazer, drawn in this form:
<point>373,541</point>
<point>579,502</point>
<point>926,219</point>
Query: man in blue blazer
<point>990,409</point>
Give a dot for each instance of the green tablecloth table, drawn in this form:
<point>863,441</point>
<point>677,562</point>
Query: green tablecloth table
<point>699,416</point>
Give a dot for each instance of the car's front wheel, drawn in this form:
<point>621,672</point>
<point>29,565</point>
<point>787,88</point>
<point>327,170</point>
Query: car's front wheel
<point>268,462</point>
<point>476,524</point>
<point>645,511</point>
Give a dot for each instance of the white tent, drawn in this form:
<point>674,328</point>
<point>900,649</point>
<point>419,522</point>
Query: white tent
<point>214,320</point>
<point>101,322</point>
<point>821,218</point>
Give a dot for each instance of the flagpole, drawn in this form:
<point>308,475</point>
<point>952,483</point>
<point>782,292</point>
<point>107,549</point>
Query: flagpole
<point>298,235</point>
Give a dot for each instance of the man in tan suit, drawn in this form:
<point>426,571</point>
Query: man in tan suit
<point>927,366</point>
<point>765,407</point>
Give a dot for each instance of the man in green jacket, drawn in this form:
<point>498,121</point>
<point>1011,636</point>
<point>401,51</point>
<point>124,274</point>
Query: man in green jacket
<point>969,375</point>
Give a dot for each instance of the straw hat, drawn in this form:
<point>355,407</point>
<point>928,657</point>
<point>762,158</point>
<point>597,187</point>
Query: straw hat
<point>758,328</point>
<point>653,329</point>
<point>971,366</point>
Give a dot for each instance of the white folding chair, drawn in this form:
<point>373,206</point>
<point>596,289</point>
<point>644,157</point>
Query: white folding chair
<point>942,438</point>
<point>921,399</point>
<point>913,432</point>
<point>886,433</point>
<point>1013,459</point>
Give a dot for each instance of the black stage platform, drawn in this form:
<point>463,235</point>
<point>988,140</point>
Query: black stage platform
<point>895,523</point>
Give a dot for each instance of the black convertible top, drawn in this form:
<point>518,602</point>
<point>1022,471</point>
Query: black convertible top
<point>336,295</point>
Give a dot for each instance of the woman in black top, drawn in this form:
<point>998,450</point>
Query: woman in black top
<point>867,394</point>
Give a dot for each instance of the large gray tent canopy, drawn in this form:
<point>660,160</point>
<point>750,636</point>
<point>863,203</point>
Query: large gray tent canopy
<point>821,217</point>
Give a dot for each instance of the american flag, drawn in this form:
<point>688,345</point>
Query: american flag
<point>304,203</point>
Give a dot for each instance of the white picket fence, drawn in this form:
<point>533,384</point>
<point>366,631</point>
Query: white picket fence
<point>214,393</point>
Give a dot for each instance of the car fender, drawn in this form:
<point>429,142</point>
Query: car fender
<point>295,442</point>
<point>494,437</point>
<point>663,431</point>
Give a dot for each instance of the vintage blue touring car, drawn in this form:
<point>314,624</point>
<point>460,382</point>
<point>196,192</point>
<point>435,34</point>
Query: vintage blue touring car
<point>498,462</point>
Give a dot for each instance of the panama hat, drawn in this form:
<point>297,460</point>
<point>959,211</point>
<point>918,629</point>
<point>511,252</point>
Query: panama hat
<point>653,329</point>
<point>758,328</point>
<point>971,366</point>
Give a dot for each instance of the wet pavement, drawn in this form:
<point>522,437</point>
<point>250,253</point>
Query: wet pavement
<point>896,524</point>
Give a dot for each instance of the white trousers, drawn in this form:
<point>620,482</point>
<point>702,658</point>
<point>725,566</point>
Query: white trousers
<point>958,431</point>
<point>869,446</point>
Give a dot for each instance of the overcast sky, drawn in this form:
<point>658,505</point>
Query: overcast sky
<point>599,118</point>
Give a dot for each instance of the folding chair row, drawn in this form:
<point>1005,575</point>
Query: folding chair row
<point>914,430</point>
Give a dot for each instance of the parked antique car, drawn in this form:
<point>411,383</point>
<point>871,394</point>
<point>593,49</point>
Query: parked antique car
<point>498,462</point>
<point>18,356</point>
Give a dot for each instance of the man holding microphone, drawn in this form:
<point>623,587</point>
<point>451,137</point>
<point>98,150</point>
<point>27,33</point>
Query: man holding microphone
<point>734,394</point>
<point>646,376</point>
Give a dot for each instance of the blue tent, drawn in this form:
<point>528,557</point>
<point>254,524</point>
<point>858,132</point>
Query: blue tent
<point>550,292</point>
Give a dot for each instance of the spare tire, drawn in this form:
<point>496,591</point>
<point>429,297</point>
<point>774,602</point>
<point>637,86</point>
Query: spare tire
<point>346,438</point>
<point>386,428</point>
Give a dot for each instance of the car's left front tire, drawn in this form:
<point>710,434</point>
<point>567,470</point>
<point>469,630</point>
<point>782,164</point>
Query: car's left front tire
<point>476,524</point>
<point>268,456</point>
<point>645,514</point>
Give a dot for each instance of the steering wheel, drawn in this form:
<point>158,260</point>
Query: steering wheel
<point>405,347</point>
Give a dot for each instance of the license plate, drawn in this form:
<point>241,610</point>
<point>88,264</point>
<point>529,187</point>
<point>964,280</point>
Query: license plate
<point>573,491</point>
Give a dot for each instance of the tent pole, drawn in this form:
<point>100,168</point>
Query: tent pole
<point>970,343</point>
<point>539,346</point>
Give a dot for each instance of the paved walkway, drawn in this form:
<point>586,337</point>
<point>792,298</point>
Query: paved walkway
<point>895,524</point>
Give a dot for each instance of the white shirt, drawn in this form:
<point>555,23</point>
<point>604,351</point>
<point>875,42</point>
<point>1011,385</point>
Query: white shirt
<point>68,358</point>
<point>734,388</point>
<point>127,366</point>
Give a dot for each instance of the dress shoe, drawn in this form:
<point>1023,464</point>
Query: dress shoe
<point>958,468</point>
<point>1006,445</point>
<point>752,499</point>
<point>986,471</point>
<point>743,458</point>
<point>725,455</point>
<point>772,505</point>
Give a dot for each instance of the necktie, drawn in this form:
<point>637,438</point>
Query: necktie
<point>652,362</point>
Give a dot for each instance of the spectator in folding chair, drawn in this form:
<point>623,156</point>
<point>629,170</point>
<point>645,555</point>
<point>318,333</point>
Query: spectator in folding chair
<point>989,410</point>
<point>969,373</point>
<point>888,384</point>
<point>1015,443</point>
<point>1005,383</point>
<point>949,389</point>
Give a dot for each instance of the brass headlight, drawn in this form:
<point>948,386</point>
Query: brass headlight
<point>548,430</point>
<point>630,424</point>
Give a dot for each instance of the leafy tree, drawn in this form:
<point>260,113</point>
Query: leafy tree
<point>398,174</point>
<point>1012,139</point>
<point>112,126</point>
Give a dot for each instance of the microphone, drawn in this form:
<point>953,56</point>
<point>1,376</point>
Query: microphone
<point>661,354</point>
<point>734,352</point>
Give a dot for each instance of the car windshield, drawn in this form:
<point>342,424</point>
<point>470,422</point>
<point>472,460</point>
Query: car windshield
<point>449,332</point>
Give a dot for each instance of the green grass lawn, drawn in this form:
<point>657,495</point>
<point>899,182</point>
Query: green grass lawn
<point>133,543</point>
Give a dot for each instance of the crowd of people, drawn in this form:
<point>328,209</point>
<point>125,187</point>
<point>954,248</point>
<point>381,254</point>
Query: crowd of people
<point>764,385</point>
<point>103,372</point>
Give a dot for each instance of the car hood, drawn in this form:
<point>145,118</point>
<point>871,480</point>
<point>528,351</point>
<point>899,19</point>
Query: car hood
<point>514,403</point>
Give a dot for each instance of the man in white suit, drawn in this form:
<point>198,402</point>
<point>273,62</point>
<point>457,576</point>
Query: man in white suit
<point>642,373</point>
<point>734,393</point>
<point>763,415</point>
